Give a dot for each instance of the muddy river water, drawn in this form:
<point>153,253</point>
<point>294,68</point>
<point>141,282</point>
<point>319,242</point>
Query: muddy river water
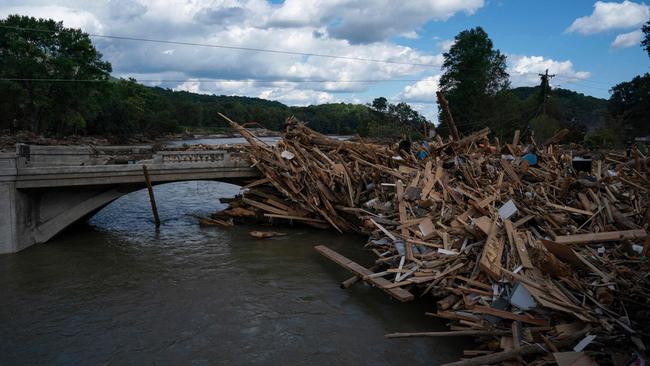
<point>117,291</point>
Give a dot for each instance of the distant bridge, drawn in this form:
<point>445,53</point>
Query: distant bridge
<point>44,189</point>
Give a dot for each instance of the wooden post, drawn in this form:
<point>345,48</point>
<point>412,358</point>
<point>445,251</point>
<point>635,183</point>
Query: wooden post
<point>448,117</point>
<point>152,199</point>
<point>637,163</point>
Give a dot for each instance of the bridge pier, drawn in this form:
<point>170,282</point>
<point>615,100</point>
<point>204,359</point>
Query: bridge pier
<point>36,216</point>
<point>9,226</point>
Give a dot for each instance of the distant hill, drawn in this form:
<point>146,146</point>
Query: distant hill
<point>198,110</point>
<point>584,109</point>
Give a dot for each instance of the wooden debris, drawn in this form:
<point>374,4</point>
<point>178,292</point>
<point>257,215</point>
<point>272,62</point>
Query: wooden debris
<point>265,234</point>
<point>470,226</point>
<point>398,293</point>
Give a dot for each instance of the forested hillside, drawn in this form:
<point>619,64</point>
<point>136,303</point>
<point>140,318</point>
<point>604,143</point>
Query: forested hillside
<point>584,109</point>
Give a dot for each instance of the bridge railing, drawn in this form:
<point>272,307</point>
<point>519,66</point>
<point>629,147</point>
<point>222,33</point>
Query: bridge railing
<point>198,156</point>
<point>35,156</point>
<point>45,156</point>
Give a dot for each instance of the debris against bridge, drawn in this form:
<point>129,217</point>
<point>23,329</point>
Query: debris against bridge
<point>540,256</point>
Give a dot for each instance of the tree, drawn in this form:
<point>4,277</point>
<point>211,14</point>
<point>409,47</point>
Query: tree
<point>47,50</point>
<point>629,107</point>
<point>646,37</point>
<point>380,104</point>
<point>474,72</point>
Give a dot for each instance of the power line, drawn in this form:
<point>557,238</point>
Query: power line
<point>286,52</point>
<point>218,80</point>
<point>223,80</point>
<point>253,49</point>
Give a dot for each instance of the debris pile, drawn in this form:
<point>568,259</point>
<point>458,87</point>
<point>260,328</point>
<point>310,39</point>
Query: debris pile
<point>540,255</point>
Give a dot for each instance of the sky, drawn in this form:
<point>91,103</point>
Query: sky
<point>589,46</point>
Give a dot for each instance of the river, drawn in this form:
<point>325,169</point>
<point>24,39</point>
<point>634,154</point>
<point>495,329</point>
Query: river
<point>117,291</point>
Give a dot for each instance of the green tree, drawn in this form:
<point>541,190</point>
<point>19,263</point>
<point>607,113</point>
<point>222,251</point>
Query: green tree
<point>474,72</point>
<point>380,104</point>
<point>47,50</point>
<point>629,107</point>
<point>646,37</point>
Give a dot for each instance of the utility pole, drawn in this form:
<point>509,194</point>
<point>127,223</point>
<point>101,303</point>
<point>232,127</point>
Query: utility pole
<point>546,78</point>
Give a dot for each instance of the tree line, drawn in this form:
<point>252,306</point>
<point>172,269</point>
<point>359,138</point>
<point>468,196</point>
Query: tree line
<point>54,82</point>
<point>476,84</point>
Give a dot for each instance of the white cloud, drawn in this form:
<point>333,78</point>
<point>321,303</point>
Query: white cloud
<point>287,93</point>
<point>428,110</point>
<point>524,70</point>
<point>366,21</point>
<point>410,35</point>
<point>608,16</point>
<point>628,39</point>
<point>423,91</point>
<point>73,18</point>
<point>350,28</point>
<point>445,44</point>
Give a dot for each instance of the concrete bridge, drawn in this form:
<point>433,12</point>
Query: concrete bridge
<point>44,189</point>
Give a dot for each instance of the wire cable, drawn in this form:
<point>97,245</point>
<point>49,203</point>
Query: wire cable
<point>239,48</point>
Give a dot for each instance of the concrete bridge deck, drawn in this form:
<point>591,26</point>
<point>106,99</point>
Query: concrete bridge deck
<point>44,189</point>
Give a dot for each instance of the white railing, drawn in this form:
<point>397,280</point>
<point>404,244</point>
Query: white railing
<point>207,156</point>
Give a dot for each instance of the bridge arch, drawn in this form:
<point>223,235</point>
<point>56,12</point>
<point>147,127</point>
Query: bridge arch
<point>40,201</point>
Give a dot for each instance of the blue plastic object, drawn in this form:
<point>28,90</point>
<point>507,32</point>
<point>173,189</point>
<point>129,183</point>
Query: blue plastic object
<point>530,158</point>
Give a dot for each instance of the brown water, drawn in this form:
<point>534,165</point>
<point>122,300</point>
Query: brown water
<point>117,291</point>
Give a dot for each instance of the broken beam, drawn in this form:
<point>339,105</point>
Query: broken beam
<point>598,237</point>
<point>361,271</point>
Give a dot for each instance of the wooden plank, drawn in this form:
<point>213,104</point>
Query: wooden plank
<point>570,209</point>
<point>448,118</point>
<point>296,218</point>
<point>264,207</point>
<point>522,251</point>
<point>510,171</point>
<point>361,271</point>
<point>403,218</point>
<point>478,309</point>
<point>604,236</point>
<point>490,261</point>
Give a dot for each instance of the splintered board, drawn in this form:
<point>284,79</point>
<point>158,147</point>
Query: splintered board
<point>361,271</point>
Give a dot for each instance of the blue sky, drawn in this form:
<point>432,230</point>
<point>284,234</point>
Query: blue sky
<point>590,45</point>
<point>527,27</point>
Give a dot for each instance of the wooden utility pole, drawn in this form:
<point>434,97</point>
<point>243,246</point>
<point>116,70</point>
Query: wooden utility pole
<point>546,79</point>
<point>449,120</point>
<point>152,199</point>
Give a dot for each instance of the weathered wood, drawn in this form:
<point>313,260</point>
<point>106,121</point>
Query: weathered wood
<point>397,293</point>
<point>508,315</point>
<point>601,237</point>
<point>570,209</point>
<point>297,218</point>
<point>514,353</point>
<point>459,333</point>
<point>490,261</point>
<point>448,118</point>
<point>152,198</point>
